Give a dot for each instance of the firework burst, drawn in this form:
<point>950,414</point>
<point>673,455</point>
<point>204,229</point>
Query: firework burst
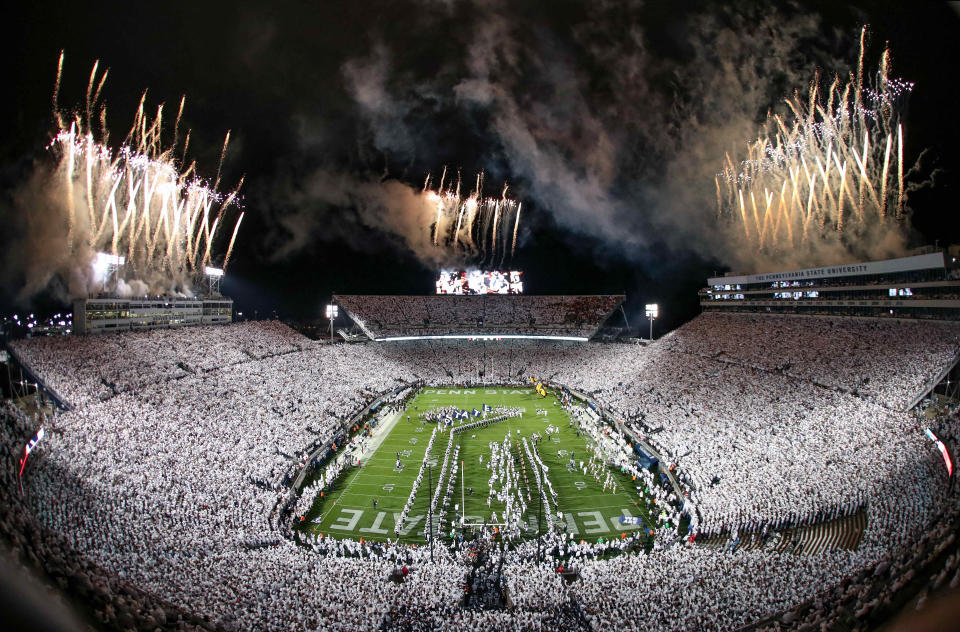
<point>832,168</point>
<point>137,201</point>
<point>473,226</point>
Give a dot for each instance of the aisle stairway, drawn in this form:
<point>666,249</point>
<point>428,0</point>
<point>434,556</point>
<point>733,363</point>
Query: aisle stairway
<point>841,533</point>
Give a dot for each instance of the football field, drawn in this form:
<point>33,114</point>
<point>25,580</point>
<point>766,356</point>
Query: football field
<point>365,501</point>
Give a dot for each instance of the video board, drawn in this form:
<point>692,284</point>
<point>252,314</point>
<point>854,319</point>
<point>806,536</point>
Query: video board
<point>479,282</point>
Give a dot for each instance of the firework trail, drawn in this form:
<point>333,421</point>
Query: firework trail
<point>501,203</point>
<point>233,238</point>
<point>469,204</point>
<point>439,201</point>
<point>825,170</point>
<point>516,225</point>
<point>137,201</point>
<point>469,226</point>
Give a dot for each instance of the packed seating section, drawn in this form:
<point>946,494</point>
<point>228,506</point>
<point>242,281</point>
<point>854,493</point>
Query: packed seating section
<point>390,316</point>
<point>172,462</point>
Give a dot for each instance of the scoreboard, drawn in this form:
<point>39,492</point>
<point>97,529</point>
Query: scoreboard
<point>479,282</point>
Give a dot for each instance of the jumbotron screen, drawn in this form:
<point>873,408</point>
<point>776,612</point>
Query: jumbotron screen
<point>479,282</point>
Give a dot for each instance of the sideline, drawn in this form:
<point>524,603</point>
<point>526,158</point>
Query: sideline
<point>381,432</point>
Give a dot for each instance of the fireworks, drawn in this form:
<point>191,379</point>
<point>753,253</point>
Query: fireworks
<point>473,227</point>
<point>832,168</point>
<point>136,201</point>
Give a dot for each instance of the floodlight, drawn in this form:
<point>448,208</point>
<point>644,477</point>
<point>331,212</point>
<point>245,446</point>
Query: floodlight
<point>332,312</point>
<point>213,272</point>
<point>652,311</point>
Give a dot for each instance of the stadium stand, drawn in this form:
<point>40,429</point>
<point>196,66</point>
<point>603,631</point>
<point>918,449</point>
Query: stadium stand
<point>163,488</point>
<point>393,316</point>
<point>87,368</point>
<point>887,361</point>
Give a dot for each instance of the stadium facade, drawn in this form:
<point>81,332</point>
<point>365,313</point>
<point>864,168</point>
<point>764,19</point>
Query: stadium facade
<point>920,286</point>
<point>99,315</point>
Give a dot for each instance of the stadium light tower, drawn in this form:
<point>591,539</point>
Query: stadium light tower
<point>213,278</point>
<point>332,312</point>
<point>652,312</point>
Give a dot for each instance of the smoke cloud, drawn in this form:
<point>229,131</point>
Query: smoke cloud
<point>606,125</point>
<point>349,206</point>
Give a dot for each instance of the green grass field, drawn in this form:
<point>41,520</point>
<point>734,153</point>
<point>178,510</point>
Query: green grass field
<point>589,512</point>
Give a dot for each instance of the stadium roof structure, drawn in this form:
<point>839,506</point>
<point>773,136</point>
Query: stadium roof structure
<point>486,317</point>
<point>919,286</point>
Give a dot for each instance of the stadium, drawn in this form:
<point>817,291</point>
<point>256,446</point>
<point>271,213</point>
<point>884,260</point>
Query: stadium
<point>243,476</point>
<point>518,333</point>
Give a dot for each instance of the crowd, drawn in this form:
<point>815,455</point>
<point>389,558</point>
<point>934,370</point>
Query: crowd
<point>167,475</point>
<point>386,316</point>
<point>505,486</point>
<point>888,361</point>
<point>438,509</point>
<point>402,517</point>
<point>85,369</point>
<point>539,475</point>
<point>757,447</point>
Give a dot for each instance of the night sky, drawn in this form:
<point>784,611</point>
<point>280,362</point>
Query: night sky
<point>608,120</point>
